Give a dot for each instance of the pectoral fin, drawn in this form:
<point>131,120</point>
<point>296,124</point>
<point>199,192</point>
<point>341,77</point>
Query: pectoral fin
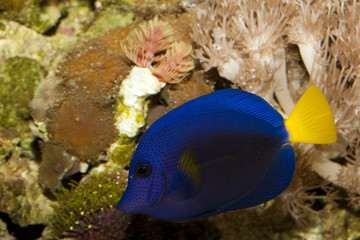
<point>187,176</point>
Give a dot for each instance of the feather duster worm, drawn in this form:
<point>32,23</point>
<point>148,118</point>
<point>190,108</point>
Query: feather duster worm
<point>159,60</point>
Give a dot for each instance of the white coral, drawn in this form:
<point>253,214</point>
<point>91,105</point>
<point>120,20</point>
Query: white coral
<point>234,36</point>
<point>131,114</point>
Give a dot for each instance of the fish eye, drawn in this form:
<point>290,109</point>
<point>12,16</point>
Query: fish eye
<point>143,170</point>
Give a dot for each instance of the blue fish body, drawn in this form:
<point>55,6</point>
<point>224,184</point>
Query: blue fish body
<point>219,152</point>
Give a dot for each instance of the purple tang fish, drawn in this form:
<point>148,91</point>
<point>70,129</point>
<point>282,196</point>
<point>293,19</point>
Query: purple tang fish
<point>223,151</point>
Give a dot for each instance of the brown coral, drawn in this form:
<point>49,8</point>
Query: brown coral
<point>55,163</point>
<point>91,69</point>
<point>82,127</point>
<point>81,119</point>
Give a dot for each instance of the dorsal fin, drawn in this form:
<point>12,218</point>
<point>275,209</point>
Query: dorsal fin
<point>187,176</point>
<point>231,101</point>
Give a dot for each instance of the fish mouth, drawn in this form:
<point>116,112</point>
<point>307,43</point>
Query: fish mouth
<point>122,204</point>
<point>125,210</point>
<point>128,208</point>
<point>126,203</point>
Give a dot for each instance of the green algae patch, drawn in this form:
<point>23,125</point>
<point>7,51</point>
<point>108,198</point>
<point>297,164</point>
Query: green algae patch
<point>18,78</point>
<point>84,209</point>
<point>110,18</point>
<point>122,150</point>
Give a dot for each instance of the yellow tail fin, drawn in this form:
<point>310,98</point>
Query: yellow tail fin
<point>311,120</point>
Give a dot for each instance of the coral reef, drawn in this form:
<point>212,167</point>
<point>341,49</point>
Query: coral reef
<point>122,150</point>
<point>20,195</point>
<point>44,49</point>
<point>278,49</point>
<point>83,128</point>
<point>147,9</point>
<point>73,106</point>
<point>103,75</point>
<point>19,77</point>
<point>339,224</point>
<point>85,107</point>
<point>3,232</point>
<point>37,14</point>
<point>25,57</point>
